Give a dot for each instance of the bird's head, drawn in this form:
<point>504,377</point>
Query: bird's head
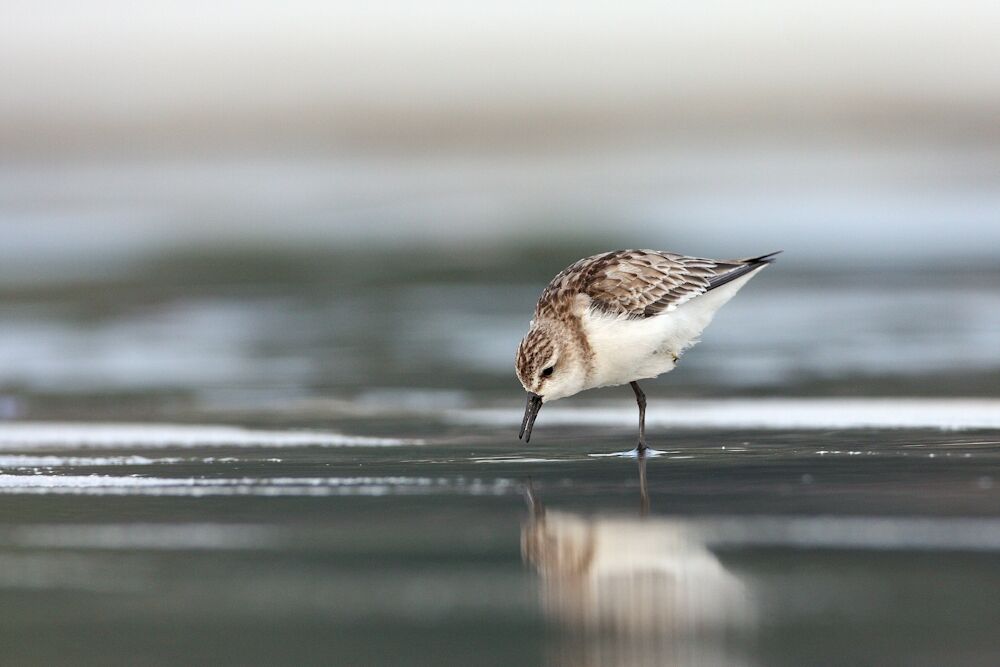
<point>550,366</point>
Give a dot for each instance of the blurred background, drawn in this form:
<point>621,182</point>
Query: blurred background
<point>264,267</point>
<point>233,202</point>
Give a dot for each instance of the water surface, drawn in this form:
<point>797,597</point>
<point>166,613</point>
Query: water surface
<point>311,459</point>
<point>125,544</point>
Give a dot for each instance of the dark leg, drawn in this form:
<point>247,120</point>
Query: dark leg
<point>640,398</point>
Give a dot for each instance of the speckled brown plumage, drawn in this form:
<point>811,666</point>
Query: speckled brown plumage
<point>535,348</point>
<point>638,283</point>
<point>590,321</point>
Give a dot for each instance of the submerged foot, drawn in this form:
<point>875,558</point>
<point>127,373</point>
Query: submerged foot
<point>646,453</point>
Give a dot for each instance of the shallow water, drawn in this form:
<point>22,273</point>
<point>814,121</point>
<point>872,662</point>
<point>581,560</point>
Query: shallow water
<point>129,545</point>
<point>303,460</point>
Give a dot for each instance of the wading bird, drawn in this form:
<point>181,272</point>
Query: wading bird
<point>620,317</point>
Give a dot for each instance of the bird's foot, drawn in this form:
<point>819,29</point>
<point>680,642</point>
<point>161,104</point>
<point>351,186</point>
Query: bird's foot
<point>646,453</point>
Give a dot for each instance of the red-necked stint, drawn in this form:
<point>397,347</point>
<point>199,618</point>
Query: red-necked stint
<point>619,317</point>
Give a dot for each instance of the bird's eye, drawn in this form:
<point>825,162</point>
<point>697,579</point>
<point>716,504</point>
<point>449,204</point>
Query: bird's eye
<point>548,371</point>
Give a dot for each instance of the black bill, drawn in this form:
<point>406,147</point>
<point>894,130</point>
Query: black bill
<point>530,412</point>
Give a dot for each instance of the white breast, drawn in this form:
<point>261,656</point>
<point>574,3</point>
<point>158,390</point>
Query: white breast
<point>626,350</point>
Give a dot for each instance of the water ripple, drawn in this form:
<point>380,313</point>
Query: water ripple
<point>67,435</point>
<point>112,485</point>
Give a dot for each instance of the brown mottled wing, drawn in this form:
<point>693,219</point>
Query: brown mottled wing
<point>643,283</point>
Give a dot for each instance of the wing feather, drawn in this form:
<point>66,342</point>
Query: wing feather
<point>642,283</point>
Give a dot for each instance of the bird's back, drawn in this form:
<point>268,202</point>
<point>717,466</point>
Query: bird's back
<point>640,284</point>
<point>646,307</point>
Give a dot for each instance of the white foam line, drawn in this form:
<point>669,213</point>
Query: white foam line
<point>67,435</point>
<point>274,486</point>
<point>764,414</point>
<point>50,461</point>
<point>24,461</point>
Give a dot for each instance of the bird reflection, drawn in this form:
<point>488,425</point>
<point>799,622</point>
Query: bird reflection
<point>632,590</point>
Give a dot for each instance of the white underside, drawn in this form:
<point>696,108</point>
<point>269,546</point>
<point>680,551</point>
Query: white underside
<point>626,350</point>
